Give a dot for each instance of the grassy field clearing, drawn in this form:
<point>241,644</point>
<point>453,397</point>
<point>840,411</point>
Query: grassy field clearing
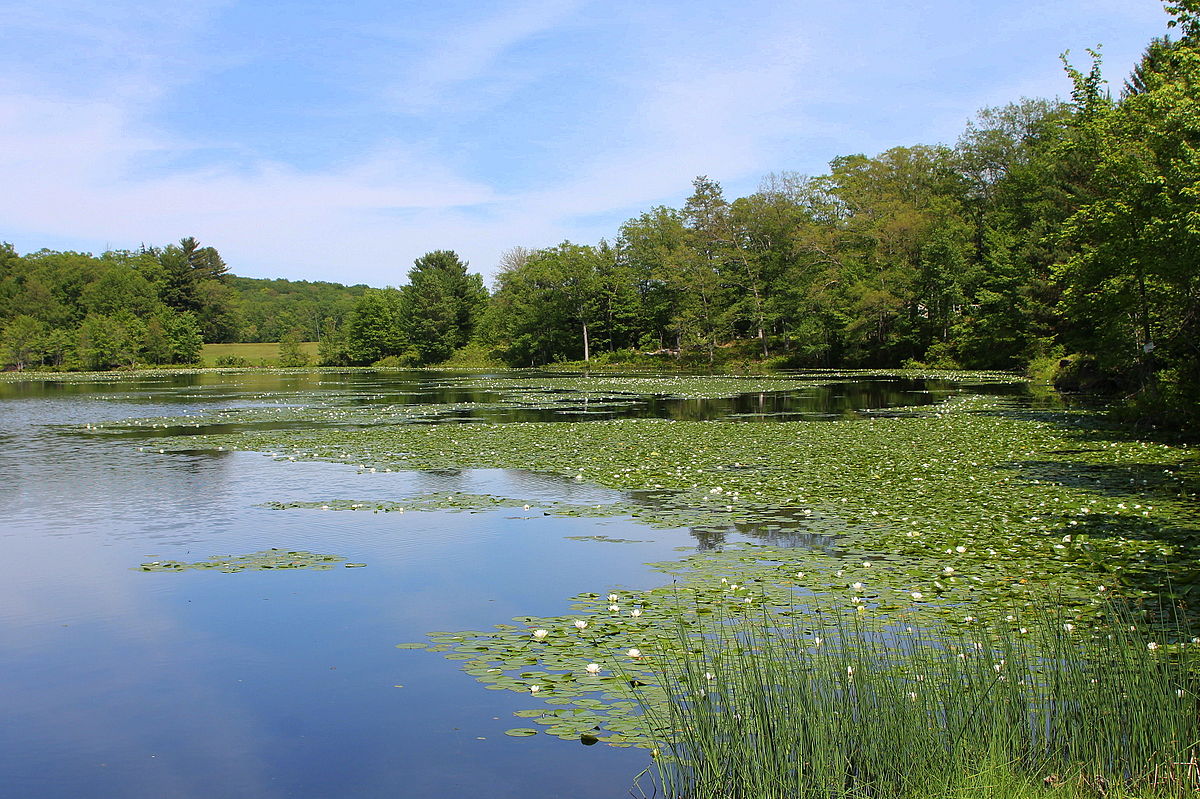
<point>256,354</point>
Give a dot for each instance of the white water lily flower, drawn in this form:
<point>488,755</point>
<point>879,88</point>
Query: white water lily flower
<point>817,641</point>
<point>857,586</point>
<point>540,634</point>
<point>634,653</point>
<point>613,597</point>
<point>800,575</point>
<point>960,549</point>
<point>866,564</point>
<point>533,689</point>
<point>917,595</point>
<point>580,623</point>
<point>635,612</point>
<point>593,668</point>
<point>948,570</point>
<point>857,600</point>
<point>614,608</point>
<point>849,671</point>
<point>708,675</point>
<point>1068,627</point>
<point>1152,646</point>
<point>912,695</point>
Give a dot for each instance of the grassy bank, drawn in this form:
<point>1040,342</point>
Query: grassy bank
<point>254,354</point>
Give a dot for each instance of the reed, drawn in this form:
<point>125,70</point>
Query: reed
<point>855,707</point>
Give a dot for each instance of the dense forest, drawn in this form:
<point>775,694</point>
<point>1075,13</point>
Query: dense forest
<point>156,305</point>
<point>1051,232</point>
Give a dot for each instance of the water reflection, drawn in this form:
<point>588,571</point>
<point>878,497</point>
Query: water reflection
<point>125,683</point>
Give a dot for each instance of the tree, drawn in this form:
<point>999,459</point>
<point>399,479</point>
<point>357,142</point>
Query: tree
<point>107,341</point>
<point>546,308</point>
<point>375,328</point>
<point>24,341</point>
<point>706,217</point>
<point>290,353</point>
<point>650,247</point>
<point>1133,277</point>
<point>118,289</point>
<point>441,305</point>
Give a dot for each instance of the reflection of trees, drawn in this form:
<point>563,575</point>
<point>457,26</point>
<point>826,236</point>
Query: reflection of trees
<point>710,538</point>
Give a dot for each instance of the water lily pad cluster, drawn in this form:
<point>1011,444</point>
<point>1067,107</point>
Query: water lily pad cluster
<point>268,559</point>
<point>976,508</point>
<point>994,492</point>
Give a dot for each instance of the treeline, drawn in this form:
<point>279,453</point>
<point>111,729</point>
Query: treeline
<point>155,305</point>
<point>1061,231</point>
<point>270,310</point>
<point>69,310</point>
<point>418,324</point>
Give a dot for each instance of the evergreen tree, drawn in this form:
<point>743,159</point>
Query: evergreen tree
<point>441,305</point>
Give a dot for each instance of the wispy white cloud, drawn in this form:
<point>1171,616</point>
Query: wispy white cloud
<point>653,95</point>
<point>475,51</point>
<point>77,161</point>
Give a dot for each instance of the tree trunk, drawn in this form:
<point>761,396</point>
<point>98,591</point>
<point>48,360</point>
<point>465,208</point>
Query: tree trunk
<point>587,352</point>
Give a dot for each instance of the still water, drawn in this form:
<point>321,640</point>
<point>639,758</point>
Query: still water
<point>132,684</point>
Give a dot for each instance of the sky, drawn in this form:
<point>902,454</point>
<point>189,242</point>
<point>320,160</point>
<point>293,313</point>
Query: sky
<point>340,141</point>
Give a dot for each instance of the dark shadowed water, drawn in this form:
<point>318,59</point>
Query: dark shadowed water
<point>132,684</point>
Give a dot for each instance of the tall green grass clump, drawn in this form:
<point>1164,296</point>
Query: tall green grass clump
<point>855,708</point>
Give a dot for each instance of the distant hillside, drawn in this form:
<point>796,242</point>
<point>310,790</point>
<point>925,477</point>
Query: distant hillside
<point>267,309</point>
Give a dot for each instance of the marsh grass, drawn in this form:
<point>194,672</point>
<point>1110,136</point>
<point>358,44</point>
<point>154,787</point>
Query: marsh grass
<point>855,708</point>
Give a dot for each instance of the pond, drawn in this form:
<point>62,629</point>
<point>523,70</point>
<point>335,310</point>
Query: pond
<point>128,675</point>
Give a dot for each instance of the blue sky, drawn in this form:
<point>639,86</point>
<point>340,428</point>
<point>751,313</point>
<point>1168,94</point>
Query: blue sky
<point>324,141</point>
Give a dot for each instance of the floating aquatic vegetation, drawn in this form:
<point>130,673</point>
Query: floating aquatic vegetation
<point>268,559</point>
<point>973,508</point>
<point>976,483</point>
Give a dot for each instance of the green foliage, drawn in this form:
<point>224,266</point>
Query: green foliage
<point>24,341</point>
<point>290,354</point>
<point>267,560</point>
<point>268,309</point>
<point>1049,227</point>
<point>155,306</point>
<point>375,328</point>
<point>1130,282</point>
<point>547,309</point>
<point>474,355</point>
<point>441,305</point>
